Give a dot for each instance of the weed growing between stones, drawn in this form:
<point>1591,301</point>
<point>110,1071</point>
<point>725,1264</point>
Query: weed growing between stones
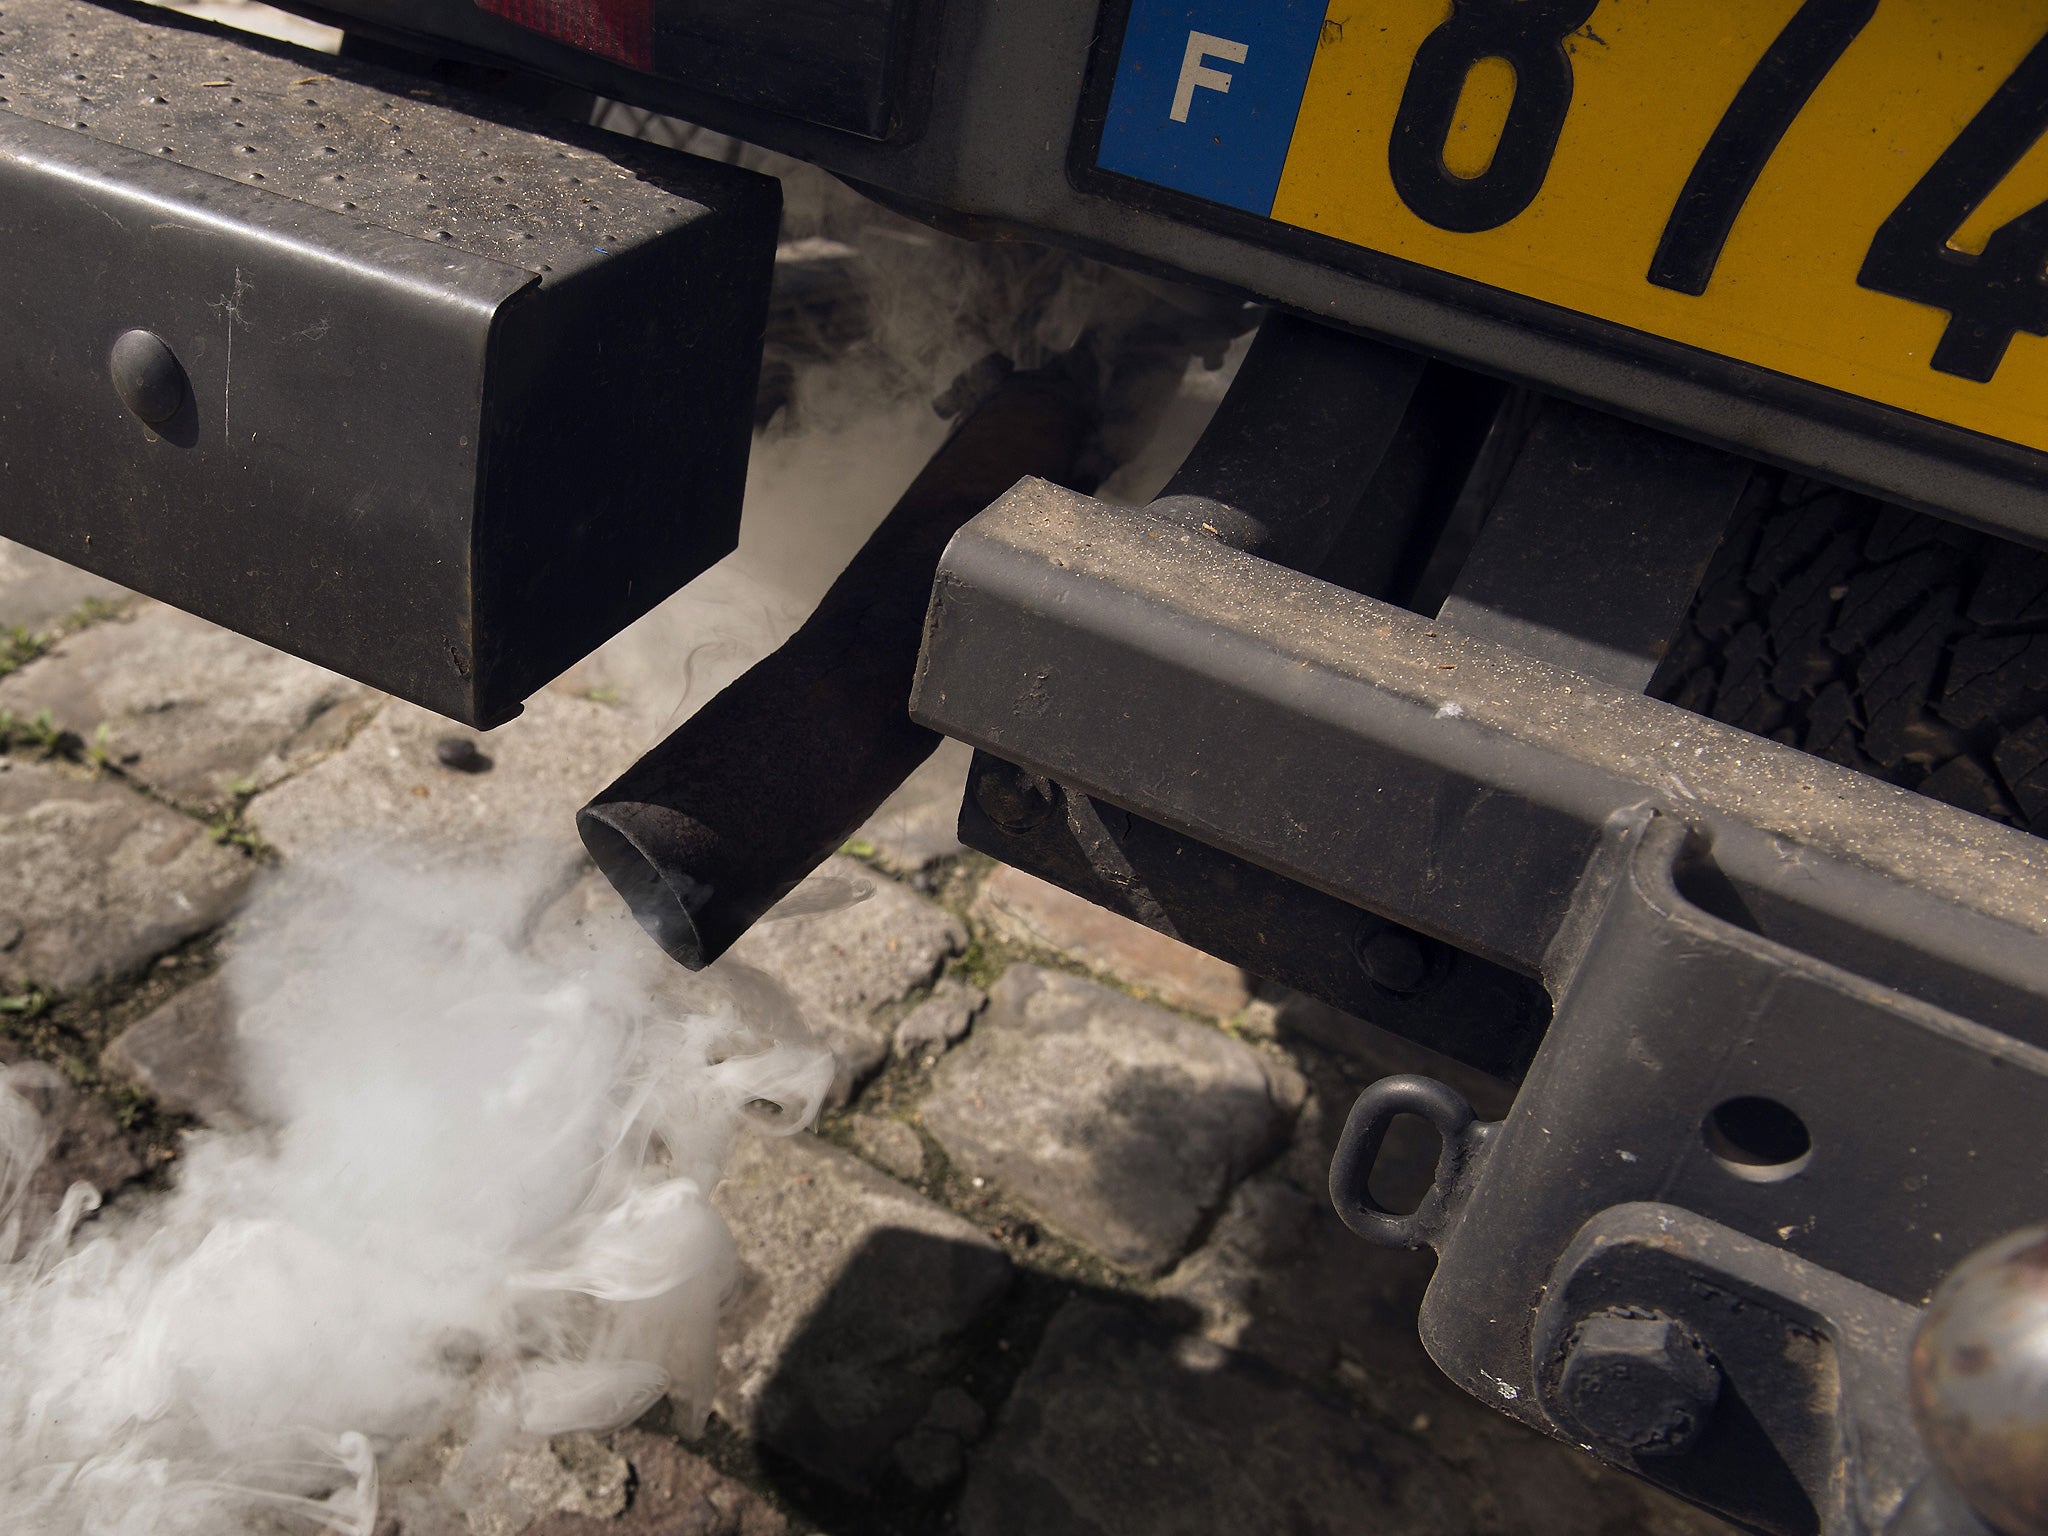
<point>71,1032</point>
<point>475,1201</point>
<point>18,648</point>
<point>229,825</point>
<point>37,733</point>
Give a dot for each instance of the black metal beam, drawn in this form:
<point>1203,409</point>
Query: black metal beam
<point>1447,783</point>
<point>430,356</point>
<point>1800,1012</point>
<point>1597,544</point>
<point>1481,1014</point>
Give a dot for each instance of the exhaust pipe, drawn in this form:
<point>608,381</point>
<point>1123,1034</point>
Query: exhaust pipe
<point>757,789</point>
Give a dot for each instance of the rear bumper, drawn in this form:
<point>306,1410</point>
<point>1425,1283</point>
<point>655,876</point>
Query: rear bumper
<point>1717,918</point>
<point>456,399</point>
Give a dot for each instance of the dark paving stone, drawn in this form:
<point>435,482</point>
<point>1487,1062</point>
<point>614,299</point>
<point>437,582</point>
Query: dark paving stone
<point>96,880</point>
<point>856,1295</point>
<point>183,1055</point>
<point>1120,1428</point>
<point>1119,1123</point>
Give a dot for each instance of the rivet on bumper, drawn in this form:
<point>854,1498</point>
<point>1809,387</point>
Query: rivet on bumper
<point>148,377</point>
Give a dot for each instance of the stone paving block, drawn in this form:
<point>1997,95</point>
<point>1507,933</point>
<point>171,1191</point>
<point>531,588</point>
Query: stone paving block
<point>855,1292</point>
<point>388,788</point>
<point>845,968</point>
<point>1119,1123</point>
<point>1118,1426</point>
<point>1027,910</point>
<point>674,1493</point>
<point>915,828</point>
<point>182,1054</point>
<point>36,591</point>
<point>96,879</point>
<point>941,1020</point>
<point>528,1487</point>
<point>934,1454</point>
<point>587,920</point>
<point>190,709</point>
<point>889,1144</point>
<point>86,1143</point>
<point>1121,1423</point>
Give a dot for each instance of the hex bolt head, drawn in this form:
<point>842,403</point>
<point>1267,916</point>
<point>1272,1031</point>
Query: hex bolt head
<point>1017,801</point>
<point>1392,959</point>
<point>1640,1385</point>
<point>147,376</point>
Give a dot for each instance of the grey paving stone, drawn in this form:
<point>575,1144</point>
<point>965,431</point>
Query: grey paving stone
<point>856,1292</point>
<point>1029,911</point>
<point>846,968</point>
<point>388,788</point>
<point>96,879</point>
<point>941,1020</point>
<point>674,1493</point>
<point>189,709</point>
<point>183,1054</point>
<point>889,1144</point>
<point>915,828</point>
<point>935,1453</point>
<point>85,1142</point>
<point>36,591</point>
<point>533,1485</point>
<point>1118,1426</point>
<point>1119,1123</point>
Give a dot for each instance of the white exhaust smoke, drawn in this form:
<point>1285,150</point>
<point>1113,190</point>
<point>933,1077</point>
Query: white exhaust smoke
<point>476,1204</point>
<point>473,1206</point>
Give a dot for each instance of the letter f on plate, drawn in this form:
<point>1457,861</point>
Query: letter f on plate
<point>1193,72</point>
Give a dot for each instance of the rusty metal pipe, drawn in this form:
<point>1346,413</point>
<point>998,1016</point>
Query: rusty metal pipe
<point>723,819</point>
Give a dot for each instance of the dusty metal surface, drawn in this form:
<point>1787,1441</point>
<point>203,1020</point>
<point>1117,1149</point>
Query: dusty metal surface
<point>382,149</point>
<point>438,401</point>
<point>1793,1003</point>
<point>1073,571</point>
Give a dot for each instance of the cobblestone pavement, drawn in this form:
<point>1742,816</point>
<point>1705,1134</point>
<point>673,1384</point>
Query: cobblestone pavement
<point>1058,1259</point>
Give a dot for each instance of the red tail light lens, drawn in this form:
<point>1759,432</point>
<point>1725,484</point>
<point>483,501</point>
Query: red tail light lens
<point>616,29</point>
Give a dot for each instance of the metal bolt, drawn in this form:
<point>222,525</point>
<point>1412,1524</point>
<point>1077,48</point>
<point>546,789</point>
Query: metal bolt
<point>1016,801</point>
<point>1642,1385</point>
<point>147,376</point>
<point>1392,958</point>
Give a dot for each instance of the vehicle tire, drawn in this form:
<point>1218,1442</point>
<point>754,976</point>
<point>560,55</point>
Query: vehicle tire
<point>1881,639</point>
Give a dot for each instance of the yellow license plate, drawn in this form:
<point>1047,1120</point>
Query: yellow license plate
<point>1849,192</point>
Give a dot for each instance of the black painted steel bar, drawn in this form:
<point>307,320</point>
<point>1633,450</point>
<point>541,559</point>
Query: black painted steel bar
<point>1442,781</point>
<point>724,818</point>
<point>1599,539</point>
<point>1285,461</point>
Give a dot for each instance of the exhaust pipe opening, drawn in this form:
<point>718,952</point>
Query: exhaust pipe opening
<point>665,911</point>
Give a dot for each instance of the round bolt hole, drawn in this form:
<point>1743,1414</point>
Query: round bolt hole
<point>1757,1139</point>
